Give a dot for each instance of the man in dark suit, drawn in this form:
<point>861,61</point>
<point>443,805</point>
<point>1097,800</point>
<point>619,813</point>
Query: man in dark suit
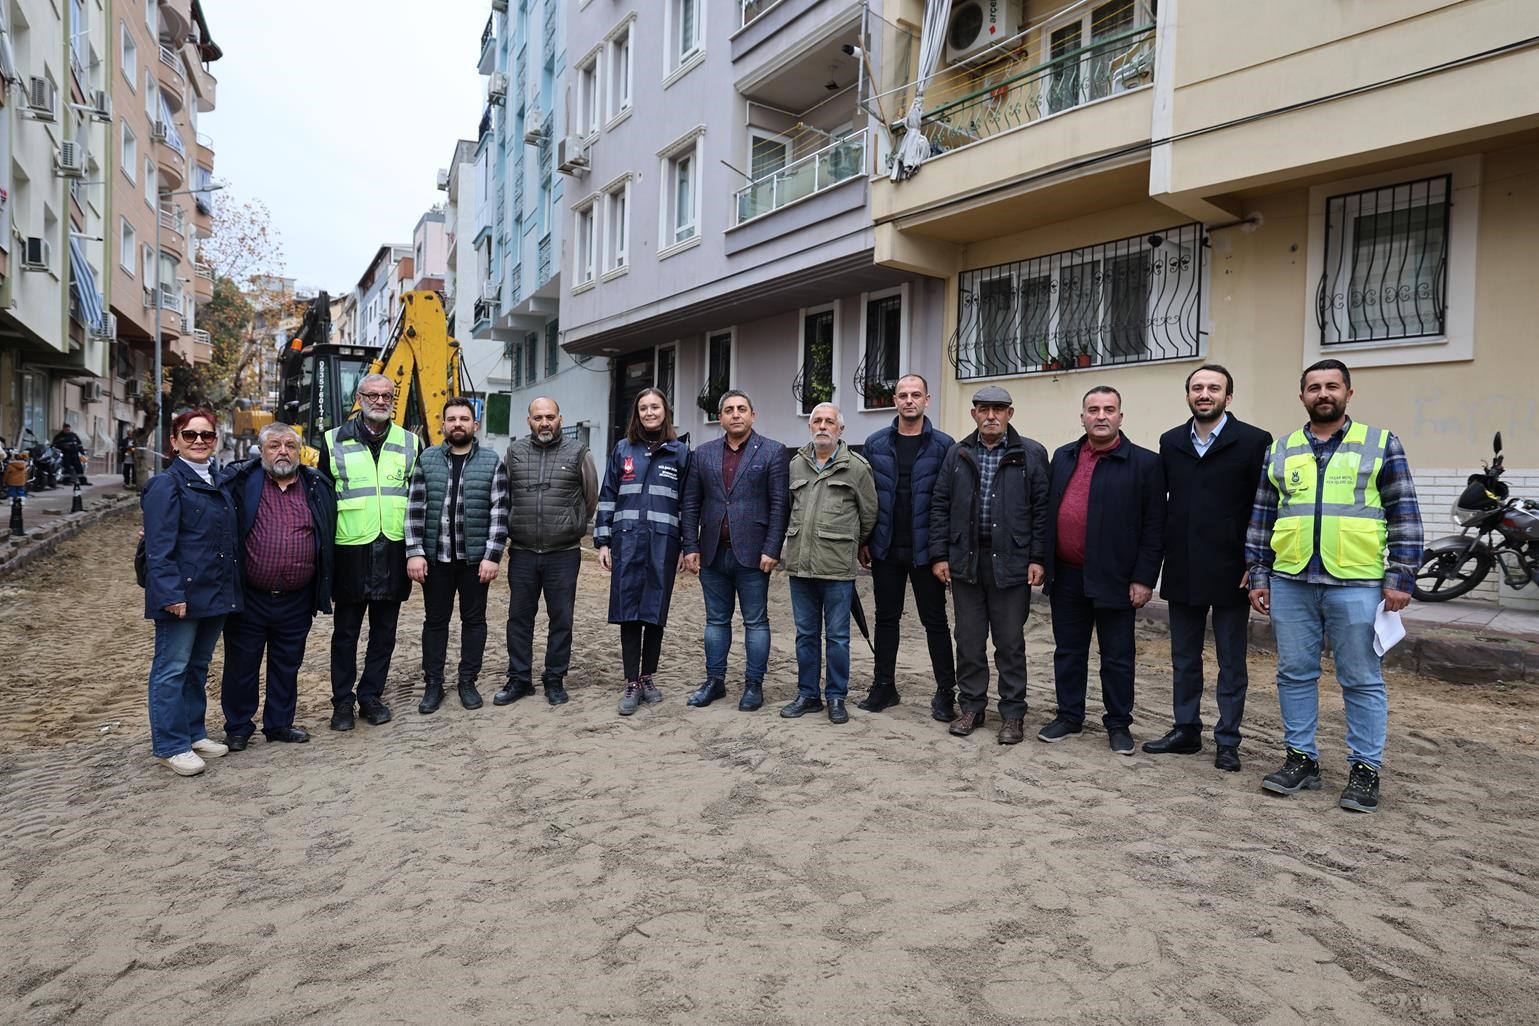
<point>1106,525</point>
<point>1212,463</point>
<point>287,521</point>
<point>733,517</point>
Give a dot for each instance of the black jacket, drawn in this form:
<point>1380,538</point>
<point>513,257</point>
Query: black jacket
<point>1017,505</point>
<point>245,481</point>
<point>1207,512</point>
<point>1125,527</point>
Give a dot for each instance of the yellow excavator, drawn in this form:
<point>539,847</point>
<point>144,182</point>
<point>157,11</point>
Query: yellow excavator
<point>320,377</point>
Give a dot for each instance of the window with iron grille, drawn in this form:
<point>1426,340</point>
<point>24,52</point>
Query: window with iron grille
<point>552,347</point>
<point>531,358</point>
<point>815,383</point>
<point>1386,263</point>
<point>877,377</point>
<point>1134,300</point>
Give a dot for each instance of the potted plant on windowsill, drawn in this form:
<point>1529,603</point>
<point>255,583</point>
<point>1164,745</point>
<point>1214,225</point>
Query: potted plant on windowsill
<point>709,399</point>
<point>879,394</point>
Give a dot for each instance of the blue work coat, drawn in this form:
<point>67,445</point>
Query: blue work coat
<point>638,518</point>
<point>192,554</point>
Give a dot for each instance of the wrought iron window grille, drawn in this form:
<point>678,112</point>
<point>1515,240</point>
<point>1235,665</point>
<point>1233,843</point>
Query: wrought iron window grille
<point>876,376</point>
<point>814,381</point>
<point>1133,300</point>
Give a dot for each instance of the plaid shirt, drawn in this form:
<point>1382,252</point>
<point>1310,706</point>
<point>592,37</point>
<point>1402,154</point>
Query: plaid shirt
<point>1402,515</point>
<point>451,535</point>
<point>988,464</point>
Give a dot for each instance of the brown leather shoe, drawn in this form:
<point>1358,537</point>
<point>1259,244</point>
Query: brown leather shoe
<point>1012,732</point>
<point>967,722</point>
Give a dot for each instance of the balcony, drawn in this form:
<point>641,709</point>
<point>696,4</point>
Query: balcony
<point>751,9</point>
<point>542,255</point>
<point>170,155</point>
<point>175,21</point>
<point>205,86</point>
<point>550,48</point>
<point>487,62</point>
<point>202,282</point>
<point>173,84</point>
<point>822,169</point>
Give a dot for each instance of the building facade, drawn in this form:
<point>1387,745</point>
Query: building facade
<point>1116,195</point>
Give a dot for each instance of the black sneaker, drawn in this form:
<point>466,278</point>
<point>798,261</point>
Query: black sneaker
<point>1299,773</point>
<point>1362,790</point>
<point>1120,739</point>
<point>1058,729</point>
<point>556,694</point>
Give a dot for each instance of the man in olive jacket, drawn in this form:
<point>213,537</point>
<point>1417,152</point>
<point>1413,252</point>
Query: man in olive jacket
<point>989,510</point>
<point>833,511</point>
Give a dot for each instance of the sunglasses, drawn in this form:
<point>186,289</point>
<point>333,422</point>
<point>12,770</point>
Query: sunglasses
<point>199,436</point>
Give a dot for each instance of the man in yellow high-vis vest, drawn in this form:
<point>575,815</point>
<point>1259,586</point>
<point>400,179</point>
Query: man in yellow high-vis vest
<point>1335,531</point>
<point>369,460</point>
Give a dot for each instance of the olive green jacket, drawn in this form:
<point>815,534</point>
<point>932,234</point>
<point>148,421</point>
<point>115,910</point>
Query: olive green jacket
<point>832,514</point>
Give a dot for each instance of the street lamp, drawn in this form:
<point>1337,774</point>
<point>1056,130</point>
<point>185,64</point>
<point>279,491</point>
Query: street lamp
<point>160,406</point>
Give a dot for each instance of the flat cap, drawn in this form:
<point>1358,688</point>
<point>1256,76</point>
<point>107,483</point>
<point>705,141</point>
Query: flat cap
<point>992,395</point>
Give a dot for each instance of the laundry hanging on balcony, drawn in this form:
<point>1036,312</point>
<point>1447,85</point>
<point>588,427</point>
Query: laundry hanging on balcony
<point>173,137</point>
<point>83,284</point>
<point>8,70</point>
<point>914,148</point>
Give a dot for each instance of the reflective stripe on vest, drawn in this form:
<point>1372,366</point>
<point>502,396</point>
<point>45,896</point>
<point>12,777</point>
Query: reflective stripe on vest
<point>371,497</point>
<point>1353,531</point>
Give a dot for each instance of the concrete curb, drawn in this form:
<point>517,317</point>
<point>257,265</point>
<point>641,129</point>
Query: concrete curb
<point>39,541</point>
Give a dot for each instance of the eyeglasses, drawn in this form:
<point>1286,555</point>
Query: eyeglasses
<point>377,397</point>
<point>199,436</point>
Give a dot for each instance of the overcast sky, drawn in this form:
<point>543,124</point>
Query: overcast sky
<point>337,113</point>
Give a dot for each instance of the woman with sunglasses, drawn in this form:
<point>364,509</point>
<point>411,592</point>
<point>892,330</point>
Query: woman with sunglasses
<point>637,536</point>
<point>192,583</point>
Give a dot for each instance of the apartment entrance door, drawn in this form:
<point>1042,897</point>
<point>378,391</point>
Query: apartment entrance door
<point>632,373</point>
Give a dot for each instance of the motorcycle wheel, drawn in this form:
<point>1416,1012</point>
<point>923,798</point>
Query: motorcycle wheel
<point>1447,575</point>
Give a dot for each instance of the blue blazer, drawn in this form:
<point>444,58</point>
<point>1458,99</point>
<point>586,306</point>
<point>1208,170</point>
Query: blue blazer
<point>756,509</point>
<point>191,550</point>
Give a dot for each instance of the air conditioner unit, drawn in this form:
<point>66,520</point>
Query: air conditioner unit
<point>572,157</point>
<point>497,89</point>
<point>101,106</point>
<point>36,256</point>
<point>41,97</point>
<point>90,391</point>
<point>109,327</point>
<point>443,179</point>
<point>976,26</point>
<point>491,290</point>
<point>71,159</point>
<point>535,133</point>
<point>131,386</point>
<point>159,131</point>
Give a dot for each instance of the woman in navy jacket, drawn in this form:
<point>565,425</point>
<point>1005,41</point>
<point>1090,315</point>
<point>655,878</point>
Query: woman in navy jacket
<point>192,582</point>
<point>638,538</point>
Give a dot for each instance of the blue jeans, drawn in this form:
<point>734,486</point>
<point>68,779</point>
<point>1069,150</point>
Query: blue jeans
<point>178,677</point>
<point>1304,616</point>
<point>723,581</point>
<point>822,612</point>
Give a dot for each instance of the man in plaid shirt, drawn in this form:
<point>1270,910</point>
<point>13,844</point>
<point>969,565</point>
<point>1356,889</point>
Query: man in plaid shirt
<point>456,530</point>
<point>1335,532</point>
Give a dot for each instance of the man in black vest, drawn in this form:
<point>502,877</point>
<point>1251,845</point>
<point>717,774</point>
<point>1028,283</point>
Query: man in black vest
<point>1212,464</point>
<point>456,528</point>
<point>555,491</point>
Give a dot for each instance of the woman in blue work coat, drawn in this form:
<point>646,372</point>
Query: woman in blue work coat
<point>637,536</point>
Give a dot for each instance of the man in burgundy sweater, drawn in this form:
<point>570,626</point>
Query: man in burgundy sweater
<point>1106,527</point>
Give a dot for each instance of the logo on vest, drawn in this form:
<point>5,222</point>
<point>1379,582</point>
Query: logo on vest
<point>1296,479</point>
<point>629,469</point>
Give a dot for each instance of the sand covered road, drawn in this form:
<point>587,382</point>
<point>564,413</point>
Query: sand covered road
<point>541,865</point>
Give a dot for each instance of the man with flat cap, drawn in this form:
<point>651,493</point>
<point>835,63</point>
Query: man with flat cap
<point>988,517</point>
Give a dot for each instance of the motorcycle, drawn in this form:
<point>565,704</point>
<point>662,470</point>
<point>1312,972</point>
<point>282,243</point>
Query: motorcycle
<point>47,465</point>
<point>1498,529</point>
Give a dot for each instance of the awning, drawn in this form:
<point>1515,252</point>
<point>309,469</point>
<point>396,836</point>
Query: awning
<point>83,283</point>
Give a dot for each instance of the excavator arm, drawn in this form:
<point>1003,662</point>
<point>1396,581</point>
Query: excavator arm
<point>424,363</point>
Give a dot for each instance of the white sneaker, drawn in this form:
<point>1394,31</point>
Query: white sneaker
<point>187,764</point>
<point>211,749</point>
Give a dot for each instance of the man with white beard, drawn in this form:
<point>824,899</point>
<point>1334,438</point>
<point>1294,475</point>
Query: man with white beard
<point>286,519</point>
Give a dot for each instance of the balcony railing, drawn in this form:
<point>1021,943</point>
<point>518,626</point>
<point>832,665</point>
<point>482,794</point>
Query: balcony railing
<point>486,44</point>
<point>550,33</point>
<point>822,169</point>
<point>516,284</point>
<point>753,8</point>
<point>169,59</point>
<point>1105,68</point>
<point>203,271</point>
<point>173,220</point>
<point>202,336</point>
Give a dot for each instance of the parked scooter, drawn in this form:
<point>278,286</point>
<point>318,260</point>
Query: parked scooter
<point>1497,530</point>
<point>47,464</point>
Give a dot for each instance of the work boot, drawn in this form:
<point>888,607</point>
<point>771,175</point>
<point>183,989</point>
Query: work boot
<point>649,692</point>
<point>1299,773</point>
<point>943,707</point>
<point>631,699</point>
<point>432,697</point>
<point>883,695</point>
<point>512,692</point>
<point>555,693</point>
<point>1362,791</point>
<point>470,698</point>
<point>342,716</point>
<point>710,691</point>
<point>753,696</point>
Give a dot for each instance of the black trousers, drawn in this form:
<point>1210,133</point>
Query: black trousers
<point>983,608</point>
<point>1075,616</point>
<point>346,625</point>
<point>1188,629</point>
<point>641,644</point>
<point>444,582</point>
<point>278,625</point>
<point>888,580</point>
<point>531,575</point>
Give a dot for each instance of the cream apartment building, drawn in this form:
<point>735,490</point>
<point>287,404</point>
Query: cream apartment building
<point>1119,193</point>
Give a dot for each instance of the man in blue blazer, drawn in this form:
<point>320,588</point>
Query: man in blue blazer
<point>733,516</point>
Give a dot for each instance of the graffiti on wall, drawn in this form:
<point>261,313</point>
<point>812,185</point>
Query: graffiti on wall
<point>1475,418</point>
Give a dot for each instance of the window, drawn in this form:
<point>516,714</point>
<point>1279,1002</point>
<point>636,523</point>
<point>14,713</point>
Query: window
<point>151,181</point>
<point>1106,62</point>
<point>680,206</point>
<point>80,34</point>
<point>531,358</point>
<point>517,355</point>
<point>718,372</point>
<point>130,62</point>
<point>877,376</point>
<point>684,30</point>
<point>148,254</point>
<point>667,364</point>
<point>552,347</point>
<point>128,246</point>
<point>585,247</point>
<point>1386,262</point>
<point>815,383</point>
<point>151,96</point>
<point>130,159</point>
<point>152,17</point>
<point>498,413</point>
<point>1134,300</point>
<point>617,216</point>
<point>589,95</point>
<point>620,72</point>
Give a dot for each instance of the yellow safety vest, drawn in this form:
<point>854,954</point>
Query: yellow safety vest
<point>371,497</point>
<point>1344,495</point>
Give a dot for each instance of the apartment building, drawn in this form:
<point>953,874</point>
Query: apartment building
<point>379,296</point>
<point>458,183</point>
<point>430,251</point>
<point>55,353</point>
<point>718,222</point>
<point>518,238</point>
<point>1117,194</point>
